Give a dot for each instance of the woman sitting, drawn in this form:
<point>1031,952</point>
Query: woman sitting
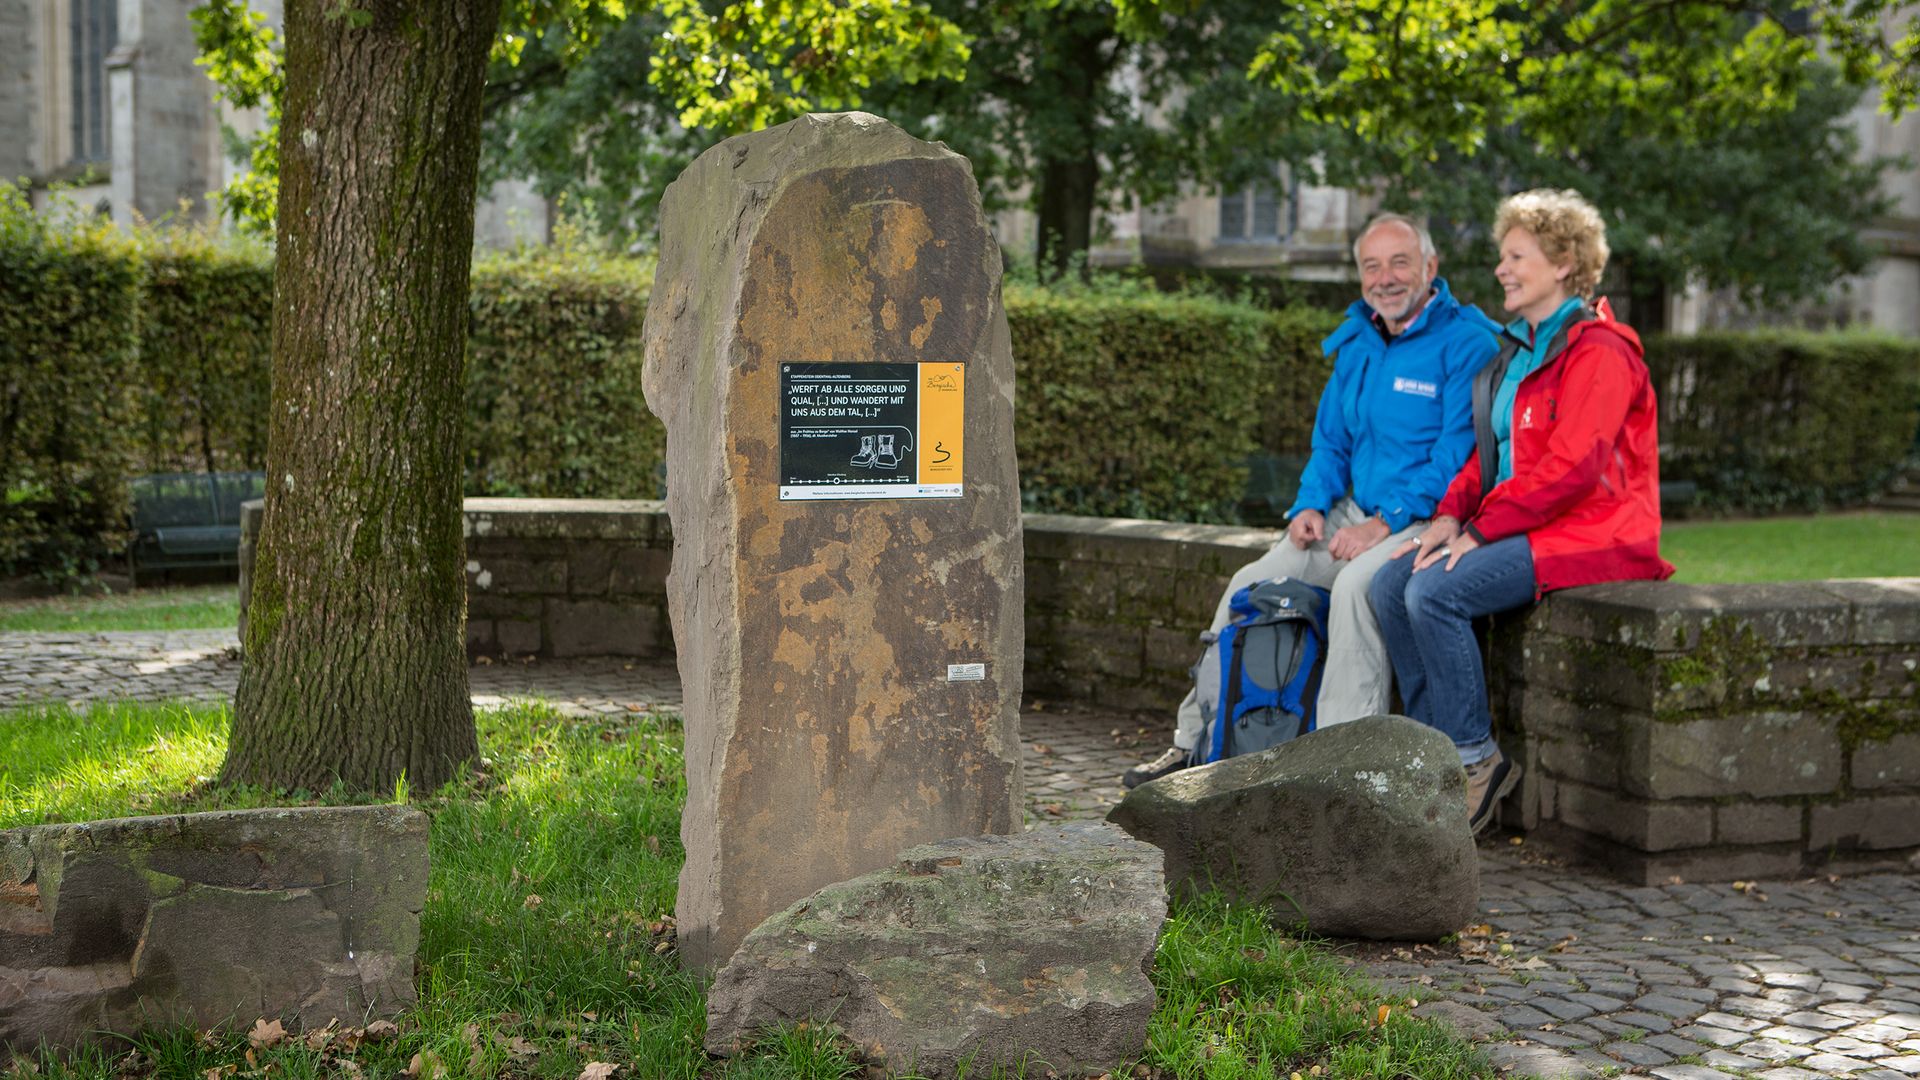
<point>1562,488</point>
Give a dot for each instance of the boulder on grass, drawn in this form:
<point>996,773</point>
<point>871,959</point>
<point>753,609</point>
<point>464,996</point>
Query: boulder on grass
<point>969,954</point>
<point>1359,830</point>
<point>213,920</point>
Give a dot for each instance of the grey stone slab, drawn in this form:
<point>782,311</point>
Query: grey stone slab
<point>1544,1062</point>
<point>1639,1054</point>
<point>1562,1008</point>
<point>1726,1059</point>
<point>1523,1016</point>
<point>1677,1046</point>
<point>1648,1021</point>
<point>1833,1064</point>
<point>1822,1021</point>
<point>1842,1044</point>
<point>1714,1036</point>
<point>1690,1072</point>
<point>1667,1005</point>
<point>1798,1035</point>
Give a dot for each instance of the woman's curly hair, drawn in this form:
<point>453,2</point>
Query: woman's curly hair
<point>1568,228</point>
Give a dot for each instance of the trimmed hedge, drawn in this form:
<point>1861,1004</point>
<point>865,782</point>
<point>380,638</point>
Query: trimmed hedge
<point>1133,403</point>
<point>120,355</point>
<point>554,407</point>
<point>1785,420</point>
<point>206,344</point>
<point>69,348</point>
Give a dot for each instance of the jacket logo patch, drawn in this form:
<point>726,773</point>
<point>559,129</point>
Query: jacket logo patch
<point>1415,386</point>
<point>1526,418</point>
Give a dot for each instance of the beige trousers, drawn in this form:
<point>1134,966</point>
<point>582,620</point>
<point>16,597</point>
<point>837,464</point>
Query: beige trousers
<point>1357,678</point>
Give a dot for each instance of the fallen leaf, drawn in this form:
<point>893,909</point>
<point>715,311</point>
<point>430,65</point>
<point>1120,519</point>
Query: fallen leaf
<point>1255,955</point>
<point>351,1068</point>
<point>597,1070</point>
<point>1053,809</point>
<point>382,1029</point>
<point>515,1047</point>
<point>266,1034</point>
<point>1042,749</point>
<point>592,1016</point>
<point>1380,1016</point>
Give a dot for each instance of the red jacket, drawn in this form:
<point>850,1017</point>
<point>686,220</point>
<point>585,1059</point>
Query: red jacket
<point>1585,488</point>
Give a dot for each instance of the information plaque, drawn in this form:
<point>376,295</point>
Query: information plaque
<point>871,431</point>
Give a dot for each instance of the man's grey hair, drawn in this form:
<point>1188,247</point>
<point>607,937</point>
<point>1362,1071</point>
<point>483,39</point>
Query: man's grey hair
<point>1426,238</point>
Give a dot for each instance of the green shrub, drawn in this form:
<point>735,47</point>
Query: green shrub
<point>206,344</point>
<point>1134,403</point>
<point>1785,420</point>
<point>554,407</point>
<point>69,305</point>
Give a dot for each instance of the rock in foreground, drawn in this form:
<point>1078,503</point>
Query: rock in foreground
<point>976,952</point>
<point>209,920</point>
<point>1360,829</point>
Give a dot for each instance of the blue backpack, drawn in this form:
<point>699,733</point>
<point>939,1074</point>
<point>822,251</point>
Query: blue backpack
<point>1260,676</point>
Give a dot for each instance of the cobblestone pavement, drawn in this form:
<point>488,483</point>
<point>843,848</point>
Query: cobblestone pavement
<point>203,665</point>
<point>1570,973</point>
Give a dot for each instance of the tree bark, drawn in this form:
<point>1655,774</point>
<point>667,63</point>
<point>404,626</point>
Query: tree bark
<point>1079,63</point>
<point>355,653</point>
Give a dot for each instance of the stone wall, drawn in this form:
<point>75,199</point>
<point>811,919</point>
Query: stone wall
<point>1115,607</point>
<point>568,577</point>
<point>1716,732</point>
<point>1700,731</point>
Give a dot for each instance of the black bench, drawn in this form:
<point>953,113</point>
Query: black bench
<point>189,520</point>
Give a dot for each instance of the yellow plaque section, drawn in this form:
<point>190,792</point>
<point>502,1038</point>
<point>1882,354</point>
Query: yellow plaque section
<point>943,395</point>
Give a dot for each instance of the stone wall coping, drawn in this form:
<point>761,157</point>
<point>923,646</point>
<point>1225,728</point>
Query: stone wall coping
<point>643,520</point>
<point>1668,616</point>
<point>1225,536</point>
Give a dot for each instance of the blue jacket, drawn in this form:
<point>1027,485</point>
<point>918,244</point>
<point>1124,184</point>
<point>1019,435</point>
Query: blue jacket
<point>1396,419</point>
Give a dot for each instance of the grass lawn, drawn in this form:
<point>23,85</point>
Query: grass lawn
<point>585,815</point>
<point>1794,548</point>
<point>191,607</point>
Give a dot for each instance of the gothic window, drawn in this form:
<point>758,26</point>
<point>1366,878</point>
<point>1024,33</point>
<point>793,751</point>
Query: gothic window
<point>93,28</point>
<point>1260,212</point>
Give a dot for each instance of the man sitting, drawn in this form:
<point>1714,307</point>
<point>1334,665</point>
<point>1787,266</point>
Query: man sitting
<point>1395,423</point>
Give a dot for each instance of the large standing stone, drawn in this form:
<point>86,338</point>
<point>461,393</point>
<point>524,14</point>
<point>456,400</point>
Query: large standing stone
<point>823,644</point>
<point>992,951</point>
<point>1360,829</point>
<point>208,919</point>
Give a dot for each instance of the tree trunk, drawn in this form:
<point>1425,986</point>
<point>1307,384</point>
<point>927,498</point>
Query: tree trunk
<point>355,652</point>
<point>1080,56</point>
<point>1067,189</point>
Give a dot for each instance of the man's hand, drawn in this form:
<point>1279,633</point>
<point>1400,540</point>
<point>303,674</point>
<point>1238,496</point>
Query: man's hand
<point>1349,542</point>
<point>1437,535</point>
<point>1306,527</point>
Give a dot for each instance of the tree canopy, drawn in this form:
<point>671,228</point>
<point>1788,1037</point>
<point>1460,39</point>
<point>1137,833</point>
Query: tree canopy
<point>1681,110</point>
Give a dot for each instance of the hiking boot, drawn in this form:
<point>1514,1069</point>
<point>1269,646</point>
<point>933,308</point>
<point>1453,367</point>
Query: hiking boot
<point>1488,782</point>
<point>1172,761</point>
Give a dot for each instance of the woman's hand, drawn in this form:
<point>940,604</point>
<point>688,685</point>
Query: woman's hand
<point>1461,543</point>
<point>1438,532</point>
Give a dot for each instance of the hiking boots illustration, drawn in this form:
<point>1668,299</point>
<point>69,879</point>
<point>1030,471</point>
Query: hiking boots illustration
<point>885,457</point>
<point>864,459</point>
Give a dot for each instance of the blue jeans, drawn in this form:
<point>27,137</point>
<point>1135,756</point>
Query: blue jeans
<point>1427,620</point>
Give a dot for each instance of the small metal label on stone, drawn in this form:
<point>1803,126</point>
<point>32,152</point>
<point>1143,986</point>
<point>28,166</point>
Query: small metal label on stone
<point>871,431</point>
<point>966,672</point>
